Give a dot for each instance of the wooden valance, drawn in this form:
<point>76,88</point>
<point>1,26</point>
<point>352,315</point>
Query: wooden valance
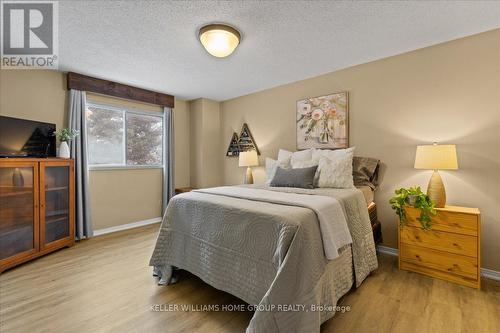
<point>91,84</point>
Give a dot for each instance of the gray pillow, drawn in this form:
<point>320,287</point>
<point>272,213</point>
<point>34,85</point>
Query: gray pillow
<point>302,177</point>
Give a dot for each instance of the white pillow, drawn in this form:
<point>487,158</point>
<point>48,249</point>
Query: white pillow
<point>337,172</point>
<point>329,153</point>
<point>272,166</point>
<point>300,157</point>
<point>284,156</point>
<point>303,164</point>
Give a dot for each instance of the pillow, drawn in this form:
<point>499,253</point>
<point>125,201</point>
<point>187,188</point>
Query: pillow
<point>284,156</point>
<point>271,166</point>
<point>303,177</point>
<point>289,157</point>
<point>365,171</point>
<point>301,156</point>
<point>336,173</point>
<point>308,164</point>
<point>329,153</point>
<point>304,164</point>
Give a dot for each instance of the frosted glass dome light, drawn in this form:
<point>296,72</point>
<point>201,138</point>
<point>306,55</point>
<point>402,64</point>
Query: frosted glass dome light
<point>219,40</point>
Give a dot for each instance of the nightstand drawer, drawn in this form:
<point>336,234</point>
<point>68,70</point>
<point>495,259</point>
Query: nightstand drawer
<point>438,260</point>
<point>438,240</point>
<point>460,223</point>
<point>469,282</point>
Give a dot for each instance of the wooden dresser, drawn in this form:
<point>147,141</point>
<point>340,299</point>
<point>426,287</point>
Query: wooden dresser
<point>449,251</point>
<point>37,200</point>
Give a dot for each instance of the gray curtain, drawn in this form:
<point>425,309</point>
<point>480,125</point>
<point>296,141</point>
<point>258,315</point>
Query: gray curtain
<point>78,148</point>
<point>168,157</point>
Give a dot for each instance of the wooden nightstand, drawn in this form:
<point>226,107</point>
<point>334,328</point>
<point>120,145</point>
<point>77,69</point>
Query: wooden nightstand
<point>376,226</point>
<point>449,251</point>
<point>183,190</point>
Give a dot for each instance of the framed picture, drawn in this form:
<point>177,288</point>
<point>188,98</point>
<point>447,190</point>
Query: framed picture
<point>323,122</point>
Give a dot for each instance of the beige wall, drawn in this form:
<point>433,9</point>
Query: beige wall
<point>206,163</point>
<point>34,94</point>
<point>124,196</point>
<point>196,152</point>
<point>448,93</point>
<point>182,144</point>
<point>117,196</point>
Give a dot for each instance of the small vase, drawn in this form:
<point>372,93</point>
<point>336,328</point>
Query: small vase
<point>64,150</point>
<point>324,136</point>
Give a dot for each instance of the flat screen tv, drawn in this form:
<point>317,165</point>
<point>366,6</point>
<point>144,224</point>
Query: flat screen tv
<point>26,138</point>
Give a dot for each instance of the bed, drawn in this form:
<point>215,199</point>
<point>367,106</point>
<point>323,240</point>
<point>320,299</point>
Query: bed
<point>271,253</point>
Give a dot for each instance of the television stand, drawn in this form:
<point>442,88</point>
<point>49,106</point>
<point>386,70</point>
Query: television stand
<point>37,214</point>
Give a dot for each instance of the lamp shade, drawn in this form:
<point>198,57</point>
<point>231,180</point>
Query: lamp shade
<point>248,158</point>
<point>436,157</point>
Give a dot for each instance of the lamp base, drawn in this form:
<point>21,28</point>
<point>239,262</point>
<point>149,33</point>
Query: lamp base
<point>249,176</point>
<point>436,191</point>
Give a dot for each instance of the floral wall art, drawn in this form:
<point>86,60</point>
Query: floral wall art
<point>322,122</point>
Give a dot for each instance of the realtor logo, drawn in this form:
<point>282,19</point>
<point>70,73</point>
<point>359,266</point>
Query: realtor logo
<point>29,34</point>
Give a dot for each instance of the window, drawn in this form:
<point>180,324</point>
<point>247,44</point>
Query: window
<point>105,136</point>
<point>123,138</point>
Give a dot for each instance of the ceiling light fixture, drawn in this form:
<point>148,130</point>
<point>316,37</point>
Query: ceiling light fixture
<point>219,40</point>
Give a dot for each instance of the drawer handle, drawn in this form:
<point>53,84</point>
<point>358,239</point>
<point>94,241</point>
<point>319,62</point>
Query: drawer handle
<point>417,237</point>
<point>455,244</point>
<point>417,256</point>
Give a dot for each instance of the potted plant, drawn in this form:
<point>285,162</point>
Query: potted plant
<point>413,197</point>
<point>64,137</point>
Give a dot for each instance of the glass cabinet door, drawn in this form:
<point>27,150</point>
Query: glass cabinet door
<point>55,202</point>
<point>18,209</point>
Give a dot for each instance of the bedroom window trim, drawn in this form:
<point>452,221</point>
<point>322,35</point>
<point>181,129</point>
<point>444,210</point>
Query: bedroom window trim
<point>125,111</point>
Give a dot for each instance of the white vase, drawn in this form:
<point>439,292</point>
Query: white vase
<point>64,150</point>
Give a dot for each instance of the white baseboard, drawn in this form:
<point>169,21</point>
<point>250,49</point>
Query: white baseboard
<point>485,272</point>
<point>127,226</point>
<point>387,250</point>
<point>490,274</point>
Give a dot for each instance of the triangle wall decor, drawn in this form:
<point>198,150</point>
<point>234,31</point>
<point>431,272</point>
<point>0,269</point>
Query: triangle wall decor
<point>234,148</point>
<point>246,141</point>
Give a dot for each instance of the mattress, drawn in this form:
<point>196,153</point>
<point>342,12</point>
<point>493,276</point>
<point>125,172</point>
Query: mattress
<point>367,193</point>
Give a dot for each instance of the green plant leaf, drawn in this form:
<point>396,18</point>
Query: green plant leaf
<point>420,200</point>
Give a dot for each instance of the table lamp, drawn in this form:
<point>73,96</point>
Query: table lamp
<point>436,157</point>
<point>248,159</point>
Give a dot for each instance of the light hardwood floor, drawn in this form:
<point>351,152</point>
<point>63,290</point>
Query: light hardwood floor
<point>105,285</point>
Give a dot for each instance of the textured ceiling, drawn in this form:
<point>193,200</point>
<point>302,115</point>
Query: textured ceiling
<point>153,44</point>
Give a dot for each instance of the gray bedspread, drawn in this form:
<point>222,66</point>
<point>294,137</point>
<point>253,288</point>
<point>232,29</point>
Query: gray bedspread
<point>267,254</point>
